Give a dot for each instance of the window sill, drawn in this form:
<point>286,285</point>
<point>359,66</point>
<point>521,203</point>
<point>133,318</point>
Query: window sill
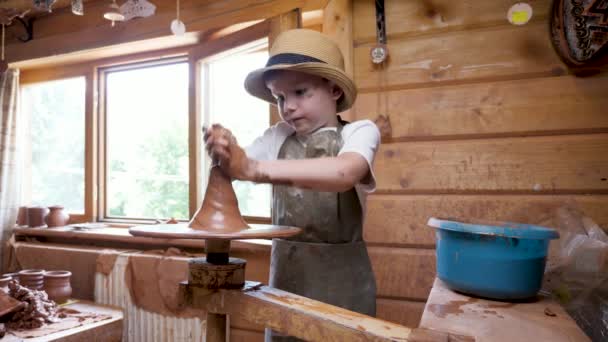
<point>112,237</point>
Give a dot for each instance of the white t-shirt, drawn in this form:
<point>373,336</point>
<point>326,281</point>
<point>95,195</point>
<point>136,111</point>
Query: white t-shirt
<point>362,137</point>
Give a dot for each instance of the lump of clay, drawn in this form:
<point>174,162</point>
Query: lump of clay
<point>220,209</point>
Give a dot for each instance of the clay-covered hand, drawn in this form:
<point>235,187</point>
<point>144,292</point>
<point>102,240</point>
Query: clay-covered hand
<point>224,150</point>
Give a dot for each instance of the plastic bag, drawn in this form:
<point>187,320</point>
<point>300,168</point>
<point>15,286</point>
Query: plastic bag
<point>577,271</point>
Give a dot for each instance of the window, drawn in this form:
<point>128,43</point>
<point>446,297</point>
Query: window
<point>146,141</point>
<point>115,141</point>
<point>225,101</point>
<point>55,115</point>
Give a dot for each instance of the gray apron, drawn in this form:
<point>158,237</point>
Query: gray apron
<point>328,261</point>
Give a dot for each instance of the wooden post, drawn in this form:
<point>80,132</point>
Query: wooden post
<point>216,328</point>
<point>338,24</point>
<point>278,24</point>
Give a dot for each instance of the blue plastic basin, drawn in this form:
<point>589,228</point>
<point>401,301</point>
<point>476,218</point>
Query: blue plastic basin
<point>498,260</point>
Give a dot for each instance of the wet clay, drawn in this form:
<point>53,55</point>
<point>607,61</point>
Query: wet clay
<point>451,308</point>
<point>218,218</point>
<point>220,210</point>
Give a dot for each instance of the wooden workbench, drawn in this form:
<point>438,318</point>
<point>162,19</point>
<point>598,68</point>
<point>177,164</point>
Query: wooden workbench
<point>109,330</point>
<point>493,321</point>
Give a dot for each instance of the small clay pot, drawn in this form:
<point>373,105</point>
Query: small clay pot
<point>32,279</point>
<point>57,285</point>
<point>57,217</point>
<point>4,284</point>
<point>13,276</point>
<point>22,216</point>
<point>35,216</point>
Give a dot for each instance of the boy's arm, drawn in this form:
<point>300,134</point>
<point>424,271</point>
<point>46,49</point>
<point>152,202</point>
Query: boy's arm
<point>334,174</point>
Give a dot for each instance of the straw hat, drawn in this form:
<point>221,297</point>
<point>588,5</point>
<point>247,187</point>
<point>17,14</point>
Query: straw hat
<point>305,51</point>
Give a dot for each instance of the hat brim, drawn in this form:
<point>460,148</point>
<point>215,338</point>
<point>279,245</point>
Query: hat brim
<point>256,86</point>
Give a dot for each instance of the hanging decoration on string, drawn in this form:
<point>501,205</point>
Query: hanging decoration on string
<point>379,52</point>
<point>379,55</point>
<point>177,26</point>
<point>77,7</point>
<point>44,5</point>
<point>113,13</point>
<point>137,9</point>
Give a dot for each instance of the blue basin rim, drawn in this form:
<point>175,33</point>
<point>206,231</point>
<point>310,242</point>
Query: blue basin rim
<point>505,229</point>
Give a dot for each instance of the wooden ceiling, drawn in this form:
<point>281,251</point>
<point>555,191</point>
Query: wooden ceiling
<point>23,5</point>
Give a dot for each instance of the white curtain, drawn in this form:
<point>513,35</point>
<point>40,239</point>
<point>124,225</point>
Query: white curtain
<point>10,152</point>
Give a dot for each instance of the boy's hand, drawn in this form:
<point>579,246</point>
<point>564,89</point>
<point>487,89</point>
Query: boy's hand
<point>222,147</point>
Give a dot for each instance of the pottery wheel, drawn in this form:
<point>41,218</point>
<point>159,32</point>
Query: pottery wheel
<point>182,231</point>
<point>218,218</point>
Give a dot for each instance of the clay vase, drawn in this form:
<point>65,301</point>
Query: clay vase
<point>4,284</point>
<point>22,216</point>
<point>57,285</point>
<point>32,279</point>
<point>35,216</point>
<point>56,217</point>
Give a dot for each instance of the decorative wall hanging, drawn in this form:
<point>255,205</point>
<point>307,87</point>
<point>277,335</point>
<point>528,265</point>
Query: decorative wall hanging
<point>579,31</point>
<point>77,7</point>
<point>113,13</point>
<point>177,26</point>
<point>519,14</point>
<point>137,8</point>
<point>44,5</point>
<point>379,52</point>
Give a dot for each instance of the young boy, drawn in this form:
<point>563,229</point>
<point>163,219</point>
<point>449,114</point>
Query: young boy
<point>321,169</point>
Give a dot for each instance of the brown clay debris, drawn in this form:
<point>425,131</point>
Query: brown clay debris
<point>37,311</point>
<point>550,313</point>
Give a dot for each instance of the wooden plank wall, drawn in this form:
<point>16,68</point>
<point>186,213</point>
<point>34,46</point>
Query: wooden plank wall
<point>486,123</point>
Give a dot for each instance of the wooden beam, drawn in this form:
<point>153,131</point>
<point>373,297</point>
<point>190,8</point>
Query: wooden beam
<point>567,164</point>
<point>309,319</point>
<point>304,318</point>
<point>400,220</point>
<point>415,18</point>
<point>455,57</point>
<point>64,32</point>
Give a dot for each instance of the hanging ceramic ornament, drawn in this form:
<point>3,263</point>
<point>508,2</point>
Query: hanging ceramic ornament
<point>379,52</point>
<point>137,8</point>
<point>77,7</point>
<point>519,14</point>
<point>177,26</point>
<point>44,5</point>
<point>113,13</point>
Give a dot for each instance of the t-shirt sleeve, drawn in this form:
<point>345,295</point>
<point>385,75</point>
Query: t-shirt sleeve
<point>259,149</point>
<point>266,146</point>
<point>362,137</point>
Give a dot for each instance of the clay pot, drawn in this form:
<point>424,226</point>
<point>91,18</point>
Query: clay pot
<point>57,285</point>
<point>32,279</point>
<point>57,217</point>
<point>13,276</point>
<point>35,216</point>
<point>4,284</point>
<point>22,216</point>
